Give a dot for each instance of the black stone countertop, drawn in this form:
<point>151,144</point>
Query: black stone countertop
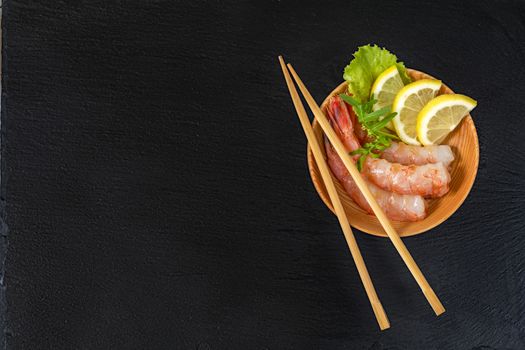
<point>156,189</point>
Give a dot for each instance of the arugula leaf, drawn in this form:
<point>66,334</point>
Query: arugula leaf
<point>350,100</point>
<point>373,123</point>
<point>361,162</point>
<point>358,151</point>
<point>383,122</point>
<point>368,62</point>
<point>392,136</point>
<point>377,114</point>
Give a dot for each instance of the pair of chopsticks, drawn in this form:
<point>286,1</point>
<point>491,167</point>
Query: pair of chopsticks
<point>379,312</point>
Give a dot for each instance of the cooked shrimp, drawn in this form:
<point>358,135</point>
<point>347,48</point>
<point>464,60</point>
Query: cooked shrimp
<point>429,180</point>
<point>399,207</point>
<point>342,120</point>
<point>418,155</point>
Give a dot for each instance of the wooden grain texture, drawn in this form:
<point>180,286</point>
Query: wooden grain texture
<point>316,148</point>
<point>464,143</point>
<point>158,194</point>
<point>349,164</point>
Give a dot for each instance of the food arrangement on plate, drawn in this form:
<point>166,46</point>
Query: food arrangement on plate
<point>389,148</point>
<point>407,134</point>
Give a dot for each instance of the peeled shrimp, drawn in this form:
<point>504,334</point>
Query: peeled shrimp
<point>429,180</point>
<point>399,207</point>
<point>417,155</point>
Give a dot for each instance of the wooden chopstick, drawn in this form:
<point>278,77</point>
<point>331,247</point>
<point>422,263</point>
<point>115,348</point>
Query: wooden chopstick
<point>361,184</point>
<point>377,307</point>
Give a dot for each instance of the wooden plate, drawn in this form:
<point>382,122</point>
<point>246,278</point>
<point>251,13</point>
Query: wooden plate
<point>464,143</point>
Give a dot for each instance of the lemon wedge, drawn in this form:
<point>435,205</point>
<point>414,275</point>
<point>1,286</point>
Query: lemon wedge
<point>385,88</point>
<point>408,102</point>
<point>441,115</point>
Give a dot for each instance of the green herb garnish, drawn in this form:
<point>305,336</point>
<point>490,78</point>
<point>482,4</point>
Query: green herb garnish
<point>373,122</point>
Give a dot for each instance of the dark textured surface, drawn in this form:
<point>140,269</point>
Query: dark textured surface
<point>158,195</point>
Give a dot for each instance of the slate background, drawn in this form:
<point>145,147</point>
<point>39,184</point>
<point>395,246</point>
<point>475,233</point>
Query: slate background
<point>157,190</point>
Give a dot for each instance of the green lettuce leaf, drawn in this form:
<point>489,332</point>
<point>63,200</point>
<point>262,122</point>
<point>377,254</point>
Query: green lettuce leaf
<point>370,61</point>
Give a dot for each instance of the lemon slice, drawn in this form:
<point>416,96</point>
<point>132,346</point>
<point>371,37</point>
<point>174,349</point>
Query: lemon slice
<point>385,88</point>
<point>441,115</point>
<point>408,102</point>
